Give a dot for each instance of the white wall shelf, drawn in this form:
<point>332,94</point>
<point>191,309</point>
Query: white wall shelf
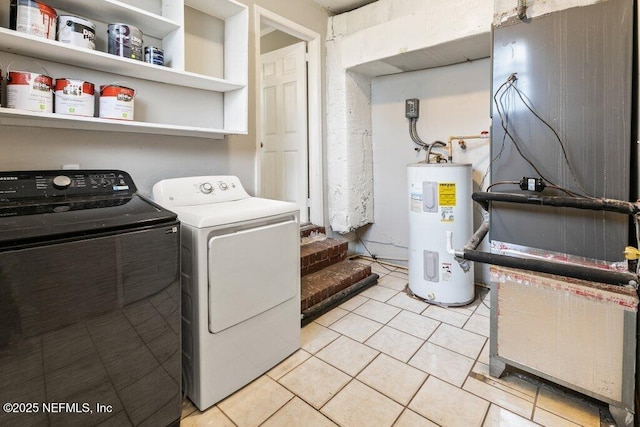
<point>224,95</point>
<point>25,44</point>
<point>21,118</point>
<point>111,11</point>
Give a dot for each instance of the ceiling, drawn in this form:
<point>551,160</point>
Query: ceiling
<point>339,6</point>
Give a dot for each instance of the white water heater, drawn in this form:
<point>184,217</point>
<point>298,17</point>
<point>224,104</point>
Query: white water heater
<point>440,202</point>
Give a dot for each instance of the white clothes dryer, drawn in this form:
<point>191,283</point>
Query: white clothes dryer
<point>240,282</point>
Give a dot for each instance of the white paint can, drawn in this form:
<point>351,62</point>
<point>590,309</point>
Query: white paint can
<point>125,40</point>
<point>74,97</point>
<point>116,102</point>
<point>34,18</point>
<point>29,91</point>
<point>76,31</point>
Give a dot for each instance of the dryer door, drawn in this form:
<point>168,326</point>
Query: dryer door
<point>252,271</point>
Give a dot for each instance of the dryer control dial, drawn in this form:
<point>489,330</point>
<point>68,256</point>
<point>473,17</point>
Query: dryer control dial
<point>223,186</point>
<point>206,188</point>
<point>61,182</point>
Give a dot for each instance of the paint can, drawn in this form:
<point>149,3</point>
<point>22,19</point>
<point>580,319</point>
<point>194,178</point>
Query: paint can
<point>153,55</point>
<point>29,91</point>
<point>116,102</point>
<point>34,18</point>
<point>74,97</point>
<point>125,41</point>
<point>76,31</point>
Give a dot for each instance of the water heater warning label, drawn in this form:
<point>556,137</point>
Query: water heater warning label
<point>447,194</point>
<point>446,271</point>
<point>446,214</point>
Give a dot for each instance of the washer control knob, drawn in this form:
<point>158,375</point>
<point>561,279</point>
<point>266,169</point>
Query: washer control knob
<point>61,182</point>
<point>223,186</point>
<point>206,188</point>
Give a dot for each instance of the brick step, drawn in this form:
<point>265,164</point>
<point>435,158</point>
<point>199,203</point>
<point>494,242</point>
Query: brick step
<point>308,229</point>
<point>322,285</point>
<point>317,255</point>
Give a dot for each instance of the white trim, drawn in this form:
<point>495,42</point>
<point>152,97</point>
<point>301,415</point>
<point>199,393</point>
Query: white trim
<point>314,88</point>
<point>266,31</point>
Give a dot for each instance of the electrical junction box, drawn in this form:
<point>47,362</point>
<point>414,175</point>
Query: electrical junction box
<point>412,108</point>
<point>532,184</point>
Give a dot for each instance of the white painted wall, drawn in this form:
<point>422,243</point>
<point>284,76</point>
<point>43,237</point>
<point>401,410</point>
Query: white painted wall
<point>349,152</point>
<point>147,158</point>
<point>505,9</point>
<point>454,100</point>
<point>151,158</point>
<point>385,37</point>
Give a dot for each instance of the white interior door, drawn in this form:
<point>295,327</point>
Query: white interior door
<point>284,170</point>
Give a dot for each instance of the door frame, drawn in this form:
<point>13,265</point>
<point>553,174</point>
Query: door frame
<point>314,104</point>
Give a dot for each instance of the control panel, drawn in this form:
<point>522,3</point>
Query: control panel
<point>198,190</point>
<point>218,184</point>
<point>61,183</point>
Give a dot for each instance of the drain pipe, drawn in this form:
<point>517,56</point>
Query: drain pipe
<point>469,252</point>
<point>472,244</point>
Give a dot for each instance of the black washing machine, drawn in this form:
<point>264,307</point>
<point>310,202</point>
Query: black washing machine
<point>89,302</point>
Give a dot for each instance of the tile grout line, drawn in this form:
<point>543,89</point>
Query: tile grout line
<point>280,408</point>
<point>405,407</point>
<point>223,413</point>
<point>415,394</point>
<point>535,403</point>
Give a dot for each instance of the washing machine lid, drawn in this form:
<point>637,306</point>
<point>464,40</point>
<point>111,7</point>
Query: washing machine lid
<point>216,214</point>
<point>39,206</point>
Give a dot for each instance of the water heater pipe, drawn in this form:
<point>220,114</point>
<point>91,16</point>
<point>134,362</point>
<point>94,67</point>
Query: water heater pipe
<point>450,249</point>
<point>484,199</point>
<point>542,266</point>
<point>473,242</point>
<point>567,270</point>
<point>460,139</point>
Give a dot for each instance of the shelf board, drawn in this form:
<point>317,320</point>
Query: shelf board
<point>39,48</point>
<point>111,11</point>
<point>222,9</point>
<point>11,117</point>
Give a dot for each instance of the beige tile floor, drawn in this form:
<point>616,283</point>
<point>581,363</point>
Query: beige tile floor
<point>384,359</point>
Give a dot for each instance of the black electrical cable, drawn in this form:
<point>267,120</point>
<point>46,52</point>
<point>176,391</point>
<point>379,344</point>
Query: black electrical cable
<point>506,131</point>
<point>504,126</point>
<point>497,156</point>
<point>502,183</point>
<point>504,137</point>
<point>369,252</point>
<point>562,146</point>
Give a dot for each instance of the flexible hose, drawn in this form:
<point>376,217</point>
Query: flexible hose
<point>434,143</point>
<point>413,132</point>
